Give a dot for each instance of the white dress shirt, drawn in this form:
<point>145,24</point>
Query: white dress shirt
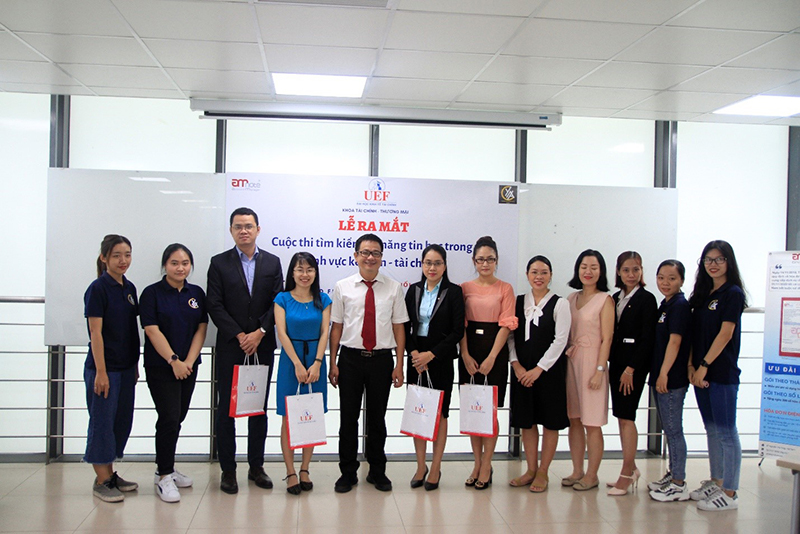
<point>348,309</point>
<point>624,300</point>
<point>563,319</point>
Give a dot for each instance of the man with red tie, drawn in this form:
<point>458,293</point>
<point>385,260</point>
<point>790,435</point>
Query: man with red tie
<point>368,316</point>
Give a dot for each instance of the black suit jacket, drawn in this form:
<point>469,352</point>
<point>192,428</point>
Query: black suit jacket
<point>234,310</point>
<point>447,321</point>
<point>634,333</point>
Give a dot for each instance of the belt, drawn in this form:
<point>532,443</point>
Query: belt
<point>368,353</point>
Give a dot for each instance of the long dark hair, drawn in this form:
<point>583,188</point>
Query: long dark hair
<point>109,242</point>
<point>309,259</point>
<point>439,249</point>
<point>703,284</point>
<point>602,282</point>
<point>622,258</point>
<point>172,249</point>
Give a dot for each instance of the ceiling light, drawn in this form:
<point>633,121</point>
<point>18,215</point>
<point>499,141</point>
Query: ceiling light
<point>764,106</point>
<point>319,85</point>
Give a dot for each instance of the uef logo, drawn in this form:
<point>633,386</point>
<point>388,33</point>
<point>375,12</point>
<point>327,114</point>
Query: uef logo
<point>713,305</point>
<point>376,191</point>
<point>663,317</point>
<point>419,408</point>
<point>131,300</point>
<point>193,303</point>
<point>251,387</point>
<point>306,416</point>
<point>476,406</point>
<point>508,194</point>
<point>244,183</point>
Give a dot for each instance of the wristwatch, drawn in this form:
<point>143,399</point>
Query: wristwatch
<point>704,363</point>
<point>262,330</point>
<point>601,368</point>
<point>173,358</point>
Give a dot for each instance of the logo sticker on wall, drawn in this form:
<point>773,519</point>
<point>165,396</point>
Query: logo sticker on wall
<point>508,194</point>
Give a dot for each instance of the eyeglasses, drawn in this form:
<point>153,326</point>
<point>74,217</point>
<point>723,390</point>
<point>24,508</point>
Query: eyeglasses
<point>304,271</point>
<point>240,227</point>
<point>430,264</point>
<point>367,253</point>
<point>489,260</point>
<point>719,260</point>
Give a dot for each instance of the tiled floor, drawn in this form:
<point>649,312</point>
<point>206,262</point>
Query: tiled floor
<point>57,498</point>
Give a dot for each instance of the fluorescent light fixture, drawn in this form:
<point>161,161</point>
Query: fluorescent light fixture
<point>629,148</point>
<point>764,106</point>
<point>318,85</point>
<point>147,179</point>
<point>176,192</point>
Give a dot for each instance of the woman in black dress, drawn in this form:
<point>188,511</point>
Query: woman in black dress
<point>436,309</point>
<point>629,361</point>
<point>539,380</point>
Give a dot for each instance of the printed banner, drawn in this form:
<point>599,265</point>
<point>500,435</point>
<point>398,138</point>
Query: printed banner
<point>325,215</point>
<point>780,390</point>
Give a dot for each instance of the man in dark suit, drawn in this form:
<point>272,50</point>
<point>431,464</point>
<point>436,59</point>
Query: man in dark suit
<point>242,283</point>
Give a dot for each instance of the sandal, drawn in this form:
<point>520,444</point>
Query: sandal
<point>540,482</point>
<point>294,490</point>
<point>481,485</point>
<point>569,481</point>
<point>306,486</point>
<point>585,486</point>
<point>520,480</point>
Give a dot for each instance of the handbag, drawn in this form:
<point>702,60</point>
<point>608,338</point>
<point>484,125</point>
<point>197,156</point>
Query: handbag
<point>305,419</point>
<point>478,409</point>
<point>422,411</point>
<point>249,389</point>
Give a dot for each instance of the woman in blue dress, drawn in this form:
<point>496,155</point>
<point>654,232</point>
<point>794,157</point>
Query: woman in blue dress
<point>302,317</point>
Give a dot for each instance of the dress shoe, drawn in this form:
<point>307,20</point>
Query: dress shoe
<point>381,482</point>
<point>228,483</point>
<point>345,483</point>
<point>430,486</point>
<point>260,477</point>
<point>417,483</point>
<point>307,485</point>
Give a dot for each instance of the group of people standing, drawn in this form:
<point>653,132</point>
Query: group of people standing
<point>564,354</point>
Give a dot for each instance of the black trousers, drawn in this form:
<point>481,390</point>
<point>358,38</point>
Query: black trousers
<point>226,425</point>
<point>171,398</point>
<point>359,375</point>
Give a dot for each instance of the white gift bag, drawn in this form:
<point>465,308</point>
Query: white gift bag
<point>478,409</point>
<point>422,411</point>
<point>305,420</point>
<point>249,389</point>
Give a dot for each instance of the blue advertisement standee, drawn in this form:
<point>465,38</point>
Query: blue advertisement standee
<point>780,389</point>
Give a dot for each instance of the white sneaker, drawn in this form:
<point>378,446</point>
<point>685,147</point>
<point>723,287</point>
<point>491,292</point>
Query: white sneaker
<point>181,480</point>
<point>719,502</point>
<point>167,490</point>
<point>706,489</point>
<point>663,481</point>
<point>671,492</point>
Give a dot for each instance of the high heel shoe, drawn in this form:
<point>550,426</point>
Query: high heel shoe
<point>481,485</point>
<point>430,486</point>
<point>418,483</point>
<point>306,486</point>
<point>635,472</point>
<point>634,478</point>
<point>294,490</point>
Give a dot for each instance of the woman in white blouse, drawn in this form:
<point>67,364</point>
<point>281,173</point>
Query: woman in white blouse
<point>538,383</point>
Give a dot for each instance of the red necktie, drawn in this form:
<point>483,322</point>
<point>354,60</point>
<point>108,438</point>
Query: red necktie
<point>368,328</point>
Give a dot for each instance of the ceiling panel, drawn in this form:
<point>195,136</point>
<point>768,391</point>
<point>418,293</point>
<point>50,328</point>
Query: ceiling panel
<point>574,39</point>
<point>226,95</point>
<point>788,121</point>
<point>509,93</point>
<point>320,60</point>
<point>221,80</point>
<point>213,55</point>
<point>115,76</point>
<point>654,115</point>
<point>775,15</point>
<point>79,17</point>
<point>782,53</point>
<point>407,89</point>
<point>33,72</point>
<point>634,11</point>
<point>518,69</point>
<point>601,97</point>
<point>12,48</point>
<point>744,80</point>
<point>433,65</point>
<point>95,50</point>
<point>318,25</point>
<point>514,8</point>
<point>792,89</point>
<point>691,46</point>
<point>578,111</point>
<point>201,21</point>
<point>658,76</point>
<point>491,106</point>
<point>450,33</point>
<point>732,119</point>
<point>51,89</point>
<point>138,93</point>
<point>685,102</point>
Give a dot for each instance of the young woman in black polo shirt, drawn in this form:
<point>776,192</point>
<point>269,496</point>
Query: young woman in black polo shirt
<point>175,321</point>
<point>110,372</point>
<point>718,301</point>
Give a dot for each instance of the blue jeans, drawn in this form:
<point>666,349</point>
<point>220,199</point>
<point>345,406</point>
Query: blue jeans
<point>670,410</point>
<point>110,419</point>
<point>717,404</point>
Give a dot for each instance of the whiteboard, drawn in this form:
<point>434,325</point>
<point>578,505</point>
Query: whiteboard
<point>152,209</point>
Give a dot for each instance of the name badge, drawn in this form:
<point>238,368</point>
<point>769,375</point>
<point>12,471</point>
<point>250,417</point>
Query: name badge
<point>628,340</point>
<point>479,331</point>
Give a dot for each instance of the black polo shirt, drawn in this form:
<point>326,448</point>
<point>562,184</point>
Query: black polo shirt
<point>117,305</point>
<point>176,313</point>
<point>674,317</point>
<point>726,304</point>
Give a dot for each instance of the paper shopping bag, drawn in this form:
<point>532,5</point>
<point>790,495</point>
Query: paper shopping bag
<point>249,389</point>
<point>422,412</point>
<point>305,420</point>
<point>478,410</point>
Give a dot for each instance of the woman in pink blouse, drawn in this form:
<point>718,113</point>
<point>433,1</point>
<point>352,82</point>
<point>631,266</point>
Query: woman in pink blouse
<point>489,306</point>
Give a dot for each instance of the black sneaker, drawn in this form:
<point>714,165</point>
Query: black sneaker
<point>122,484</point>
<point>345,483</point>
<point>381,482</point>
